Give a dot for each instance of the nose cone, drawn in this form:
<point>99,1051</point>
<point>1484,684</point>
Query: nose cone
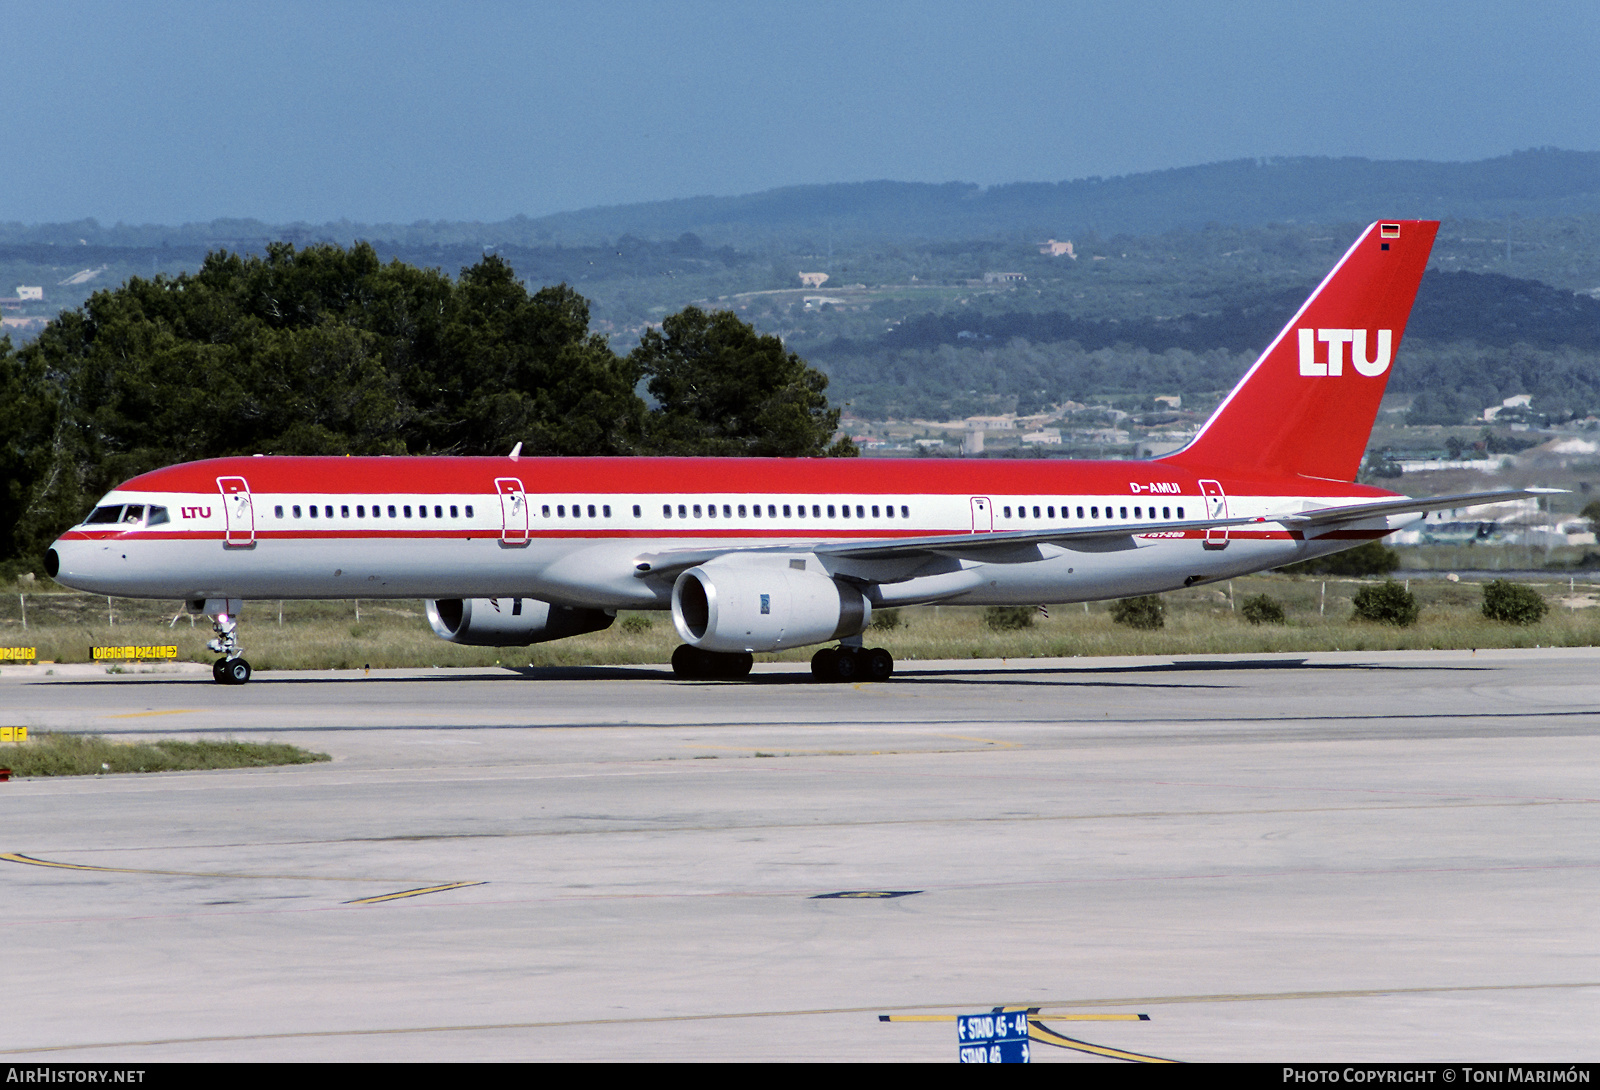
<point>52,563</point>
<point>77,564</point>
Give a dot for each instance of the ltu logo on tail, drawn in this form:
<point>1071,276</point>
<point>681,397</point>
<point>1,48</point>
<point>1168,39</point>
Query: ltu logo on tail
<point>1336,339</point>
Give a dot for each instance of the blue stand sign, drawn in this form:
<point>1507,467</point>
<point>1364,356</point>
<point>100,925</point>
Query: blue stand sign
<point>994,1038</point>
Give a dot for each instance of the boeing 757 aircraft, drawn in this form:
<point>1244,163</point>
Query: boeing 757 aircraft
<point>765,554</point>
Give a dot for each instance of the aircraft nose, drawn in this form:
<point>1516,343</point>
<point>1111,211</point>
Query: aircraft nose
<point>52,563</point>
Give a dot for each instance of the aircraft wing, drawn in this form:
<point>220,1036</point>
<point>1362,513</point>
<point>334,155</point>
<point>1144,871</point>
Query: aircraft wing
<point>975,546</point>
<point>1322,516</point>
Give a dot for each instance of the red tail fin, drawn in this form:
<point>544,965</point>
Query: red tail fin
<point>1307,406</point>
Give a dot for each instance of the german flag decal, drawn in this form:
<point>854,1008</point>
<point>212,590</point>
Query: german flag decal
<point>1388,230</point>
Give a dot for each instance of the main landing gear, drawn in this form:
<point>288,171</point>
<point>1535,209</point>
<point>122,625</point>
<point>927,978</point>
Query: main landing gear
<point>231,668</point>
<point>694,664</point>
<point>852,664</point>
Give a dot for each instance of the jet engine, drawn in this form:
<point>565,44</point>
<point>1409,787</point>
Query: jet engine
<point>765,606</point>
<point>510,622</point>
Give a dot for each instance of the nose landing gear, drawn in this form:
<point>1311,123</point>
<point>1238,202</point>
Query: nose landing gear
<point>231,668</point>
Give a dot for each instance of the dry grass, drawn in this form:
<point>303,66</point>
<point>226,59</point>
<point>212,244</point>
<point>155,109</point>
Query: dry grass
<point>48,754</point>
<point>327,635</point>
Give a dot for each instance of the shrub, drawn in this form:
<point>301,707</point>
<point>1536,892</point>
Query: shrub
<point>1513,603</point>
<point>1373,558</point>
<point>634,623</point>
<point>1386,603</point>
<point>1146,612</point>
<point>1008,618</point>
<point>885,620</point>
<point>1262,609</point>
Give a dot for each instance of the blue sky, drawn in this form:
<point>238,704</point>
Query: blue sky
<point>168,112</point>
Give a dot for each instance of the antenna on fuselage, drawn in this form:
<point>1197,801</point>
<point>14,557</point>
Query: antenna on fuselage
<point>516,452</point>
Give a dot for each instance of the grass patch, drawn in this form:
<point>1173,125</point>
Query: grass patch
<point>50,754</point>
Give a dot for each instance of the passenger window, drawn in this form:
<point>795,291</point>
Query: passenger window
<point>741,511</point>
<point>845,512</point>
<point>1051,511</point>
<point>889,510</point>
<point>591,510</point>
<point>786,511</point>
<point>1094,512</point>
<point>831,512</point>
<point>344,511</point>
<point>1036,512</point>
<point>697,510</point>
<point>545,510</point>
<point>311,509</point>
<point>391,511</point>
<point>727,510</point>
<point>277,512</point>
<point>361,510</point>
<point>561,510</point>
<point>455,512</point>
<point>605,509</point>
<point>438,511</point>
<point>296,510</point>
<point>1007,510</point>
<point>772,510</point>
<point>407,510</point>
<point>1080,512</point>
<point>816,510</point>
<point>711,510</point>
<point>875,511</point>
<point>666,510</point>
<point>469,510</point>
<point>683,511</point>
<point>637,511</point>
<point>905,512</point>
<point>422,511</point>
<point>1166,512</point>
<point>861,512</point>
<point>1124,512</point>
<point>1180,513</point>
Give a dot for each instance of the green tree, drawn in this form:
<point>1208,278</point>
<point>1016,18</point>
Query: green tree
<point>1146,612</point>
<point>1386,603</point>
<point>1513,603</point>
<point>721,388</point>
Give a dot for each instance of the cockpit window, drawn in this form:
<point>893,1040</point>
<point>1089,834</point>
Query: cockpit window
<point>134,512</point>
<point>100,515</point>
<point>158,515</point>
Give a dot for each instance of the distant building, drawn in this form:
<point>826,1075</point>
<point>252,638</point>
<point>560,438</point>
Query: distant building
<point>973,443</point>
<point>813,280</point>
<point>1058,249</point>
<point>1003,277</point>
<point>1171,401</point>
<point>24,292</point>
<point>1050,437</point>
<point>1520,401</point>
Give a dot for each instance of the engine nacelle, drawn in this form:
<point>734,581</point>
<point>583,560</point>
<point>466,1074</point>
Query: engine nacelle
<point>764,604</point>
<point>510,622</point>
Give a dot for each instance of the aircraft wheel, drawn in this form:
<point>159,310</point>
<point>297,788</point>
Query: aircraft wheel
<point>880,664</point>
<point>848,666</point>
<point>235,671</point>
<point>823,663</point>
<point>219,671</point>
<point>686,662</point>
<point>736,665</point>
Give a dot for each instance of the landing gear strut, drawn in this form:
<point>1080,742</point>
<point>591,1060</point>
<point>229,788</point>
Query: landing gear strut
<point>231,668</point>
<point>696,664</point>
<point>852,664</point>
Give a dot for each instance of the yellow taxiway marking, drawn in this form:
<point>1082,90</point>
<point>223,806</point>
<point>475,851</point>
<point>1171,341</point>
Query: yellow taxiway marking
<point>736,1015</point>
<point>146,715</point>
<point>413,893</point>
<point>1038,1031</point>
<point>17,857</point>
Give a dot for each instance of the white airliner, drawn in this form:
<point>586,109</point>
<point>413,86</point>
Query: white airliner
<point>764,554</point>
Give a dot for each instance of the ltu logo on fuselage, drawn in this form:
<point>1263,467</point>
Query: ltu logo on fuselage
<point>1336,339</point>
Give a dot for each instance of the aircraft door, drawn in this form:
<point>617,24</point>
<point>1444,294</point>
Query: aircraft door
<point>513,511</point>
<point>982,515</point>
<point>238,513</point>
<point>1216,508</point>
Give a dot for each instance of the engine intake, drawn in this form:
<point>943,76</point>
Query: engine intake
<point>743,606</point>
<point>510,622</point>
